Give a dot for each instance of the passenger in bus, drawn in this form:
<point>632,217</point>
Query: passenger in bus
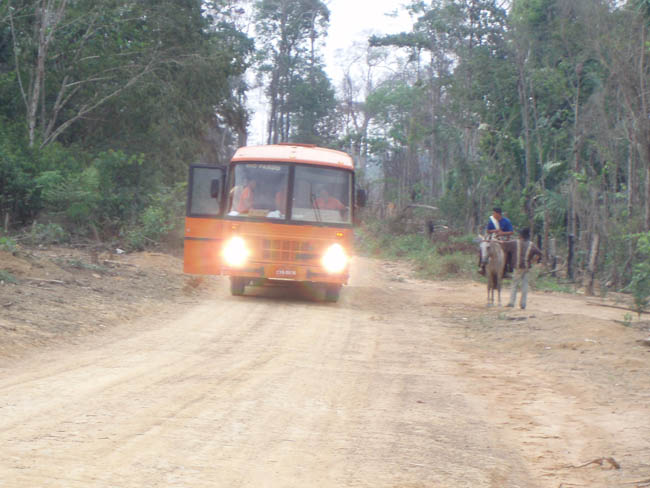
<point>245,202</point>
<point>281,200</point>
<point>280,205</point>
<point>327,202</point>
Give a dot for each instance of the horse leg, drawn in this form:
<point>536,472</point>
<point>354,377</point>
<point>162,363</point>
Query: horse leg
<point>491,286</point>
<point>499,289</point>
<point>490,290</point>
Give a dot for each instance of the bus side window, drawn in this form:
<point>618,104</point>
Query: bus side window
<point>205,181</point>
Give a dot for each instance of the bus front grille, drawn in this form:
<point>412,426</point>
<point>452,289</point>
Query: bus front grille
<point>288,251</point>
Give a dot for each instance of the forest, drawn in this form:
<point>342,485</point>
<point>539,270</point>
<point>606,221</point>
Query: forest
<point>541,107</point>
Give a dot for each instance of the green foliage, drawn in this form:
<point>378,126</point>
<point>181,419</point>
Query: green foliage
<point>393,104</point>
<point>79,264</point>
<point>116,194</point>
<point>7,277</point>
<point>544,282</point>
<point>130,93</point>
<point>161,221</point>
<point>17,168</point>
<point>20,170</point>
<point>75,195</point>
<point>46,234</point>
<point>627,319</point>
<point>288,32</point>
<point>447,266</point>
<point>375,239</point>
<point>110,192</point>
<point>640,283</point>
<point>311,100</point>
<point>124,182</point>
<point>7,244</point>
<point>167,56</point>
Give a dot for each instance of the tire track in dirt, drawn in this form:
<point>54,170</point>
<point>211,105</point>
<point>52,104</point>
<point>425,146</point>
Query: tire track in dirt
<point>403,383</point>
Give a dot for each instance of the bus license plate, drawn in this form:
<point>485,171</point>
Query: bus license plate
<point>286,273</point>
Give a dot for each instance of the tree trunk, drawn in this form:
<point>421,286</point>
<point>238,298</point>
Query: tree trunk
<point>593,259</point>
<point>645,124</point>
<point>553,255</point>
<point>272,124</point>
<point>647,197</point>
<point>524,98</point>
<point>630,183</point>
<point>573,227</point>
<point>38,72</point>
<point>570,258</point>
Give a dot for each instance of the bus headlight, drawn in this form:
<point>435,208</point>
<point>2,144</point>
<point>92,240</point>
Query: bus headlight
<point>235,253</point>
<point>335,260</point>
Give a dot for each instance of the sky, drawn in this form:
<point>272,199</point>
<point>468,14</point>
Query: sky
<point>354,21</point>
<point>350,21</point>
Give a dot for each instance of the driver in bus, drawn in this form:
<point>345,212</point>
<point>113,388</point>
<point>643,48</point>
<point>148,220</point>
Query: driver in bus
<point>327,202</point>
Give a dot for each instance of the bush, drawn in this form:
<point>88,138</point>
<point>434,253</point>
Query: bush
<point>375,239</point>
<point>74,196</point>
<point>24,172</point>
<point>124,183</point>
<point>47,234</point>
<point>111,195</point>
<point>17,170</point>
<point>8,245</point>
<point>7,277</point>
<point>161,221</point>
<point>640,283</point>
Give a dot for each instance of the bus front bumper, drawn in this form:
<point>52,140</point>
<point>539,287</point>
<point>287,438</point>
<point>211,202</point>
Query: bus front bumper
<point>288,272</point>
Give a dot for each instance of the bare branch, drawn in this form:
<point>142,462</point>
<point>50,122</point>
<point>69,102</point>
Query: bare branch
<point>85,109</point>
<point>17,60</point>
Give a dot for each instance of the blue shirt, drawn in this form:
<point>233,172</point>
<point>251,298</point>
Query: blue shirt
<point>504,223</point>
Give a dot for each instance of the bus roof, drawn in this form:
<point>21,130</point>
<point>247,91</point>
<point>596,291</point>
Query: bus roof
<point>300,153</point>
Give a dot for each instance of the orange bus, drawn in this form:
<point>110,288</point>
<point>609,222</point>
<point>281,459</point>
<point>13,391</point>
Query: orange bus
<point>277,214</point>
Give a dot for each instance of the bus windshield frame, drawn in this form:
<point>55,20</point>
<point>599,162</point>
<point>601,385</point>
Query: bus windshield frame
<point>291,193</point>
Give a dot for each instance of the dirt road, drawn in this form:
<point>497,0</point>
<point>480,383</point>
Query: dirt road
<point>403,383</point>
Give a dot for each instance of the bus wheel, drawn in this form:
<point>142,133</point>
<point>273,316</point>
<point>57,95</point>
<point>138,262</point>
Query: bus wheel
<point>332,293</point>
<point>237,285</point>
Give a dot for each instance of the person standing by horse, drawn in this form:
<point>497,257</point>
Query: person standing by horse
<point>525,253</point>
<point>499,227</point>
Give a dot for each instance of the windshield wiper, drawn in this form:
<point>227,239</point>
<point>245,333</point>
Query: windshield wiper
<point>316,207</point>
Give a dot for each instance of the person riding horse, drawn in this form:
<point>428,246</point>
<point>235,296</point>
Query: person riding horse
<point>499,227</point>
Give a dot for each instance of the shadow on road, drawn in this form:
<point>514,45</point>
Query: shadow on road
<point>289,292</point>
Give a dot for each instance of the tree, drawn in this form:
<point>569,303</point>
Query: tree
<point>289,31</point>
<point>311,101</point>
<point>191,106</point>
<point>453,48</point>
<point>630,60</point>
<point>160,82</point>
<point>72,58</point>
<point>359,80</point>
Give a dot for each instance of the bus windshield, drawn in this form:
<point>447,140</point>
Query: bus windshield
<point>261,190</point>
<point>321,195</point>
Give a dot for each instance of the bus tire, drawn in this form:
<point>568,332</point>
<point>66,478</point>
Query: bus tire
<point>332,293</point>
<point>237,285</point>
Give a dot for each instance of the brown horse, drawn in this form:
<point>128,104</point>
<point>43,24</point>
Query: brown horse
<point>493,258</point>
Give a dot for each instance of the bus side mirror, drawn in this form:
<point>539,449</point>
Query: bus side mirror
<point>215,187</point>
<point>362,197</point>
